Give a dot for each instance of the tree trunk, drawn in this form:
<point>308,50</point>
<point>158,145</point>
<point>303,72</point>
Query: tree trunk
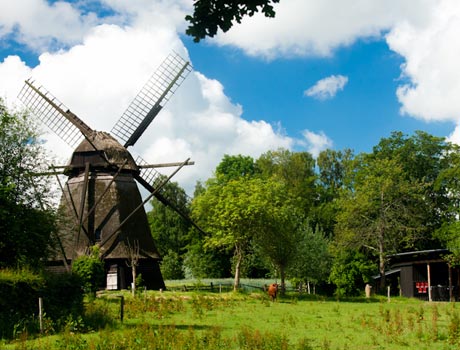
<point>283,280</point>
<point>239,258</point>
<point>133,270</point>
<point>382,264</point>
<point>381,235</point>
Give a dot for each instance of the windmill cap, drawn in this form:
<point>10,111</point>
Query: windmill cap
<point>101,150</point>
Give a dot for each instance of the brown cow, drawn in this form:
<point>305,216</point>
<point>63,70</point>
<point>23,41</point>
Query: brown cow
<point>273,291</point>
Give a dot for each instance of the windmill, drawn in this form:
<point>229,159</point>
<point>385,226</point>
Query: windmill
<point>101,203</point>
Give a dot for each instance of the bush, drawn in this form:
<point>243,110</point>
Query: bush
<point>19,292</point>
<point>90,269</point>
<point>63,296</point>
<point>350,273</point>
<point>171,266</point>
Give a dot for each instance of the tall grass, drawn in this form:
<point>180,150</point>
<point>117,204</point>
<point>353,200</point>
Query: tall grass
<point>193,320</point>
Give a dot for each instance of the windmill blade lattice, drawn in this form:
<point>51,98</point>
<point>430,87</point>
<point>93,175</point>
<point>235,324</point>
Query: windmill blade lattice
<point>150,175</point>
<point>53,113</point>
<point>151,99</point>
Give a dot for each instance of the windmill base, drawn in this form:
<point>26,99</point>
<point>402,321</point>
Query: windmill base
<point>119,276</point>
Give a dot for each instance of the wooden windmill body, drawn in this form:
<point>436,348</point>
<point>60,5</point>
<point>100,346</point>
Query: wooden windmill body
<point>101,204</point>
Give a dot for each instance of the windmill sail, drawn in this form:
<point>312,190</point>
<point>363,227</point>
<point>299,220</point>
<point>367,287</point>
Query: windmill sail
<point>54,114</point>
<point>151,99</point>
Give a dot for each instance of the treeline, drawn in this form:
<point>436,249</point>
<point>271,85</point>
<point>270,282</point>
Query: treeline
<point>331,221</point>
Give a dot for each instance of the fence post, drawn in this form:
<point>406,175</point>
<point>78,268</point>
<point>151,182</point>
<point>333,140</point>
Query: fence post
<point>40,313</point>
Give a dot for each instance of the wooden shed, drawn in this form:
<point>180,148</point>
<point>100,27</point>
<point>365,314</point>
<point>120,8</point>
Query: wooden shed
<point>425,275</point>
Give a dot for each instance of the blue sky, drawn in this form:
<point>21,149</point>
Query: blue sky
<point>331,74</point>
<point>357,117</point>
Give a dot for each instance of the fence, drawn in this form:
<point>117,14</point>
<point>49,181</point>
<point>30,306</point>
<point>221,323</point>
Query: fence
<point>222,287</point>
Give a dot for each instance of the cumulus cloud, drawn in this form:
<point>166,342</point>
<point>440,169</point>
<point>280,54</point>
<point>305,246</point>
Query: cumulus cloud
<point>327,88</point>
<point>316,142</point>
<point>35,23</point>
<point>431,52</point>
<point>303,27</point>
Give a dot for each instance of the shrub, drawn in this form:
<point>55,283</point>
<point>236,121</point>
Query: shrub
<point>63,296</point>
<point>90,269</point>
<point>171,266</point>
<point>19,292</point>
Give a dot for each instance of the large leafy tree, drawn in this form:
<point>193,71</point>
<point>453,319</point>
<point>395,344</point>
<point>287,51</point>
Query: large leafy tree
<point>384,211</point>
<point>334,170</point>
<point>351,269</point>
<point>204,260</point>
<point>296,170</point>
<point>26,223</point>
<point>449,181</point>
<point>422,157</point>
<point>333,167</point>
<point>312,262</point>
<point>230,213</point>
<point>211,15</point>
<point>235,167</point>
<point>279,234</point>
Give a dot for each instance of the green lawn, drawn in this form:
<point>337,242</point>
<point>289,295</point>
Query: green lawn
<point>197,320</point>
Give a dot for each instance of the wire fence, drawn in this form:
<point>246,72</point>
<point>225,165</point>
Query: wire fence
<point>222,286</point>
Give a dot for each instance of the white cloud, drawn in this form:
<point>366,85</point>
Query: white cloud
<point>316,142</point>
<point>309,27</point>
<point>431,65</point>
<point>39,25</point>
<point>327,88</point>
<point>13,72</point>
<point>454,137</point>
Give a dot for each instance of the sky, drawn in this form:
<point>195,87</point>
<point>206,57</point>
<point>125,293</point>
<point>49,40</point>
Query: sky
<point>322,74</point>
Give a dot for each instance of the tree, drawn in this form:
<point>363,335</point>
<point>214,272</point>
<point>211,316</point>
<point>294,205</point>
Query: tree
<point>334,170</point>
<point>132,252</point>
<point>210,15</point>
<point>333,167</point>
<point>313,260</point>
<point>422,158</point>
<point>279,234</point>
<point>296,170</point>
<point>384,211</point>
<point>449,180</point>
<point>230,212</point>
<point>235,167</point>
<point>172,266</point>
<point>169,230</point>
<point>351,269</point>
<point>26,220</point>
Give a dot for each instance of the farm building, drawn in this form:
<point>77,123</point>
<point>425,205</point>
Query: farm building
<point>425,275</point>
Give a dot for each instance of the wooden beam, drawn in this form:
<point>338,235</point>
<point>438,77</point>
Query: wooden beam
<point>428,269</point>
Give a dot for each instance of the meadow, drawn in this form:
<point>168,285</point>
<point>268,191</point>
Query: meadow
<point>213,320</point>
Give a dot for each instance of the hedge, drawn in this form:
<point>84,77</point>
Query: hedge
<point>19,292</point>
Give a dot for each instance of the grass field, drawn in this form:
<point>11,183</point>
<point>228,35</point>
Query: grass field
<point>203,320</point>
